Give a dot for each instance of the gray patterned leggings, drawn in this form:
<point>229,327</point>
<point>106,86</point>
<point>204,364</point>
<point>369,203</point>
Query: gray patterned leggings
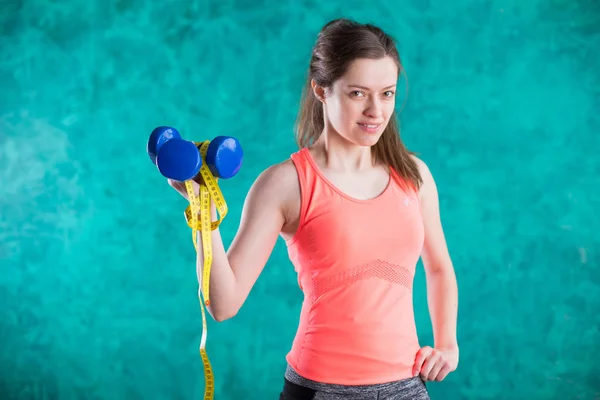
<point>296,387</point>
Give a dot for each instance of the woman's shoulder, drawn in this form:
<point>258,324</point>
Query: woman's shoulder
<point>282,173</point>
<point>278,180</point>
<point>423,168</point>
<point>428,184</point>
<point>278,186</point>
<point>419,162</point>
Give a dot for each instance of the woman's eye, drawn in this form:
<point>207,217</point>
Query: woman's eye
<point>389,93</point>
<point>356,93</point>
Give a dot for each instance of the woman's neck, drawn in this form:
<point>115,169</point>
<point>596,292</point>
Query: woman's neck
<point>340,154</point>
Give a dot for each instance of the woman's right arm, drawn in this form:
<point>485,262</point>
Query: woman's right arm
<point>235,271</point>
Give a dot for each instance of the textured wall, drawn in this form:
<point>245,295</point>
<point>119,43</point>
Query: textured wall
<point>98,293</point>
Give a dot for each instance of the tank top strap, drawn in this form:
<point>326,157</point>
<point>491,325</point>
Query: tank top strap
<point>403,187</point>
<point>307,179</point>
<point>305,171</point>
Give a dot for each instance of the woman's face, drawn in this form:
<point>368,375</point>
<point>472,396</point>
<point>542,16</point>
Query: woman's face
<point>360,104</point>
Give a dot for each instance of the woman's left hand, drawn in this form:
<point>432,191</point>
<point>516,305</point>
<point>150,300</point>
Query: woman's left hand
<point>434,364</point>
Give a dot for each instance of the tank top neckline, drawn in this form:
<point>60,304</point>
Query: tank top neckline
<point>308,156</point>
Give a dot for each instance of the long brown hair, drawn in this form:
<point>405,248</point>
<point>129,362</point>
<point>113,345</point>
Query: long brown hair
<point>339,43</point>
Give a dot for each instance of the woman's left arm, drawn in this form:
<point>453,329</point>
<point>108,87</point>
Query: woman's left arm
<point>442,289</point>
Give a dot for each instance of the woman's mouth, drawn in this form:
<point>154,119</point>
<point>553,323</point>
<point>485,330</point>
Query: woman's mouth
<point>370,128</point>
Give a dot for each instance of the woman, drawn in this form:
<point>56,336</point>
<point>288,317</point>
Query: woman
<point>356,210</point>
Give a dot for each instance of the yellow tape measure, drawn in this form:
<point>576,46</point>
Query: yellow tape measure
<point>198,217</point>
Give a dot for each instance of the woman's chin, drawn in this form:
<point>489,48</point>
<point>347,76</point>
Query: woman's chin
<point>367,140</point>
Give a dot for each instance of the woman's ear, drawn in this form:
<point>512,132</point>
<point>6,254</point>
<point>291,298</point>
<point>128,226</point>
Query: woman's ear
<point>319,91</point>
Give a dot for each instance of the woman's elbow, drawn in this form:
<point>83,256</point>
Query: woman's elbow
<point>223,315</point>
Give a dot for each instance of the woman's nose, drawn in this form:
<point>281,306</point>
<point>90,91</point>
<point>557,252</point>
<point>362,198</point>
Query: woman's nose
<point>374,110</point>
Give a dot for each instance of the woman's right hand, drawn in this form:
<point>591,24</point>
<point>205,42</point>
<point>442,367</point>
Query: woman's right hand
<point>181,189</point>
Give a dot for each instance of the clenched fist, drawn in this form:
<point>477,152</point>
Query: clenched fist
<point>434,364</point>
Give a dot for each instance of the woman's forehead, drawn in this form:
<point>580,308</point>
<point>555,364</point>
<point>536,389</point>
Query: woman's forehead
<point>371,74</point>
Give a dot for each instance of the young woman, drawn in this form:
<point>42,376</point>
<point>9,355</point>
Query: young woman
<point>357,210</point>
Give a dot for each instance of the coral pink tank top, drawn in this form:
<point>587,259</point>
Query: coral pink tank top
<point>355,261</point>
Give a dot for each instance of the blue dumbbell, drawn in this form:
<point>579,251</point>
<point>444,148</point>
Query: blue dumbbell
<point>180,159</point>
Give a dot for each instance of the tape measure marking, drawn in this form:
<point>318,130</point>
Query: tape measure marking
<point>198,217</point>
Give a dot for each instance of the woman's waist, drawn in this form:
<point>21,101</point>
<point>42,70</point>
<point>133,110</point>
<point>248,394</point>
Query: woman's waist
<point>381,328</point>
<point>347,338</point>
<point>354,359</point>
<point>353,336</point>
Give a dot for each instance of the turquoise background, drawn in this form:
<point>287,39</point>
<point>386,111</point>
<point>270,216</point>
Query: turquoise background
<point>98,293</point>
